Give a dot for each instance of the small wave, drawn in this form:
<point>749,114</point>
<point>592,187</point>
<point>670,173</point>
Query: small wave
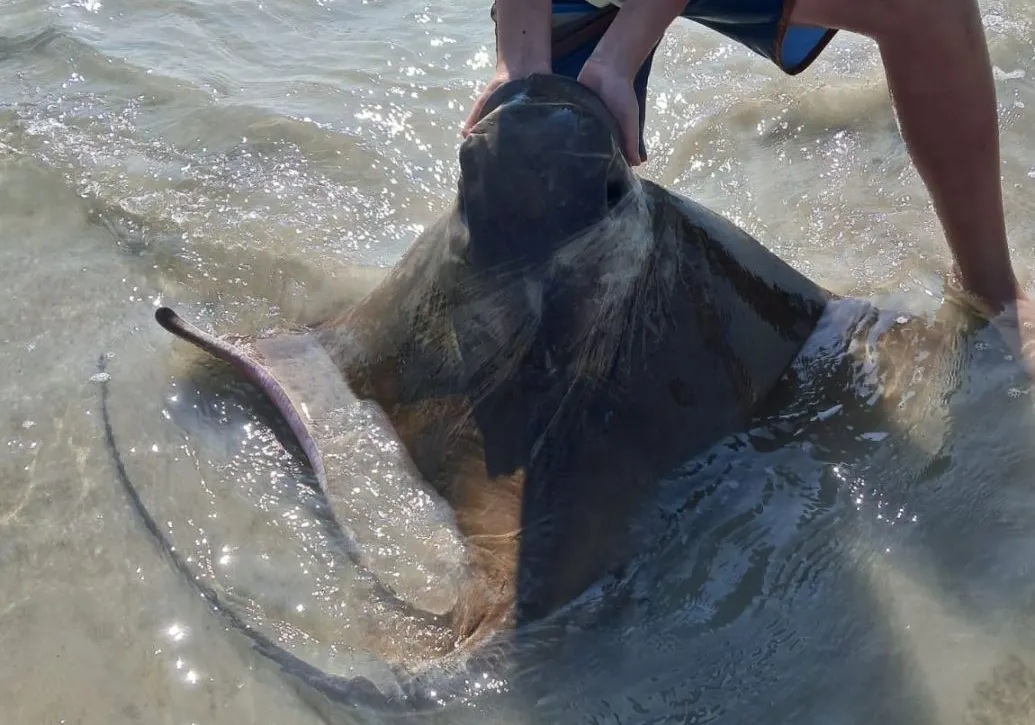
<point>13,46</point>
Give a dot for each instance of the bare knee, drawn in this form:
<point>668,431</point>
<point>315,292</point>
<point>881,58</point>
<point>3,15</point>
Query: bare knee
<point>883,19</point>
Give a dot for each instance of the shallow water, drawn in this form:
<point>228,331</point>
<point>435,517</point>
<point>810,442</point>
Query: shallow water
<point>240,159</point>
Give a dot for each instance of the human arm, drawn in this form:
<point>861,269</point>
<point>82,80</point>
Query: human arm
<point>523,40</point>
<point>612,67</point>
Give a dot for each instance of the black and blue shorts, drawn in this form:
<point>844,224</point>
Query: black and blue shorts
<point>762,25</point>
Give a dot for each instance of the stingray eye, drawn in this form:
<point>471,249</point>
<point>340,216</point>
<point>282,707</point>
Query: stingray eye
<point>461,207</point>
<point>615,193</point>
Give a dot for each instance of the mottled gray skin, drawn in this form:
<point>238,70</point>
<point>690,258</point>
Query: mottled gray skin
<point>563,337</point>
<point>593,329</point>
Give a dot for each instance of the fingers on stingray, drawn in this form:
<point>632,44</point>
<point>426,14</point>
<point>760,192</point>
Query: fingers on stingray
<point>372,488</point>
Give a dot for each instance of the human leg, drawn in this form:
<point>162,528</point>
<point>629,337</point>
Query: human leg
<point>936,59</point>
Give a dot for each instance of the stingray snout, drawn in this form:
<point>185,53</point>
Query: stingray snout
<point>542,166</point>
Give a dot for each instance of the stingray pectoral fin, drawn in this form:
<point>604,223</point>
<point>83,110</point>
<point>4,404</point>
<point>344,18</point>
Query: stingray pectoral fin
<point>282,375</point>
<point>374,491</point>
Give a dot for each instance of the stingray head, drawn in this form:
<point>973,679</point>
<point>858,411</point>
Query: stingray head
<point>542,165</point>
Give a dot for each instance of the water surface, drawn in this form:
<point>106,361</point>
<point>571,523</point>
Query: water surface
<point>240,160</point>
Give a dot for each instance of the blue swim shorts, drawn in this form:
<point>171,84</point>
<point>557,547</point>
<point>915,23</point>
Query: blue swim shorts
<point>761,25</point>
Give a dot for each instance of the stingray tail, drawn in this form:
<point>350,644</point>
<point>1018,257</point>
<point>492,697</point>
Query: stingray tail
<point>354,692</point>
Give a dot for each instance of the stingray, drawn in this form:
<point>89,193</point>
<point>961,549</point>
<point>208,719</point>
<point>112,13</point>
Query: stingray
<point>563,337</point>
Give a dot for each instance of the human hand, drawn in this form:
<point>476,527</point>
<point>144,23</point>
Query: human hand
<point>502,75</point>
<point>615,89</point>
<point>523,48</point>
